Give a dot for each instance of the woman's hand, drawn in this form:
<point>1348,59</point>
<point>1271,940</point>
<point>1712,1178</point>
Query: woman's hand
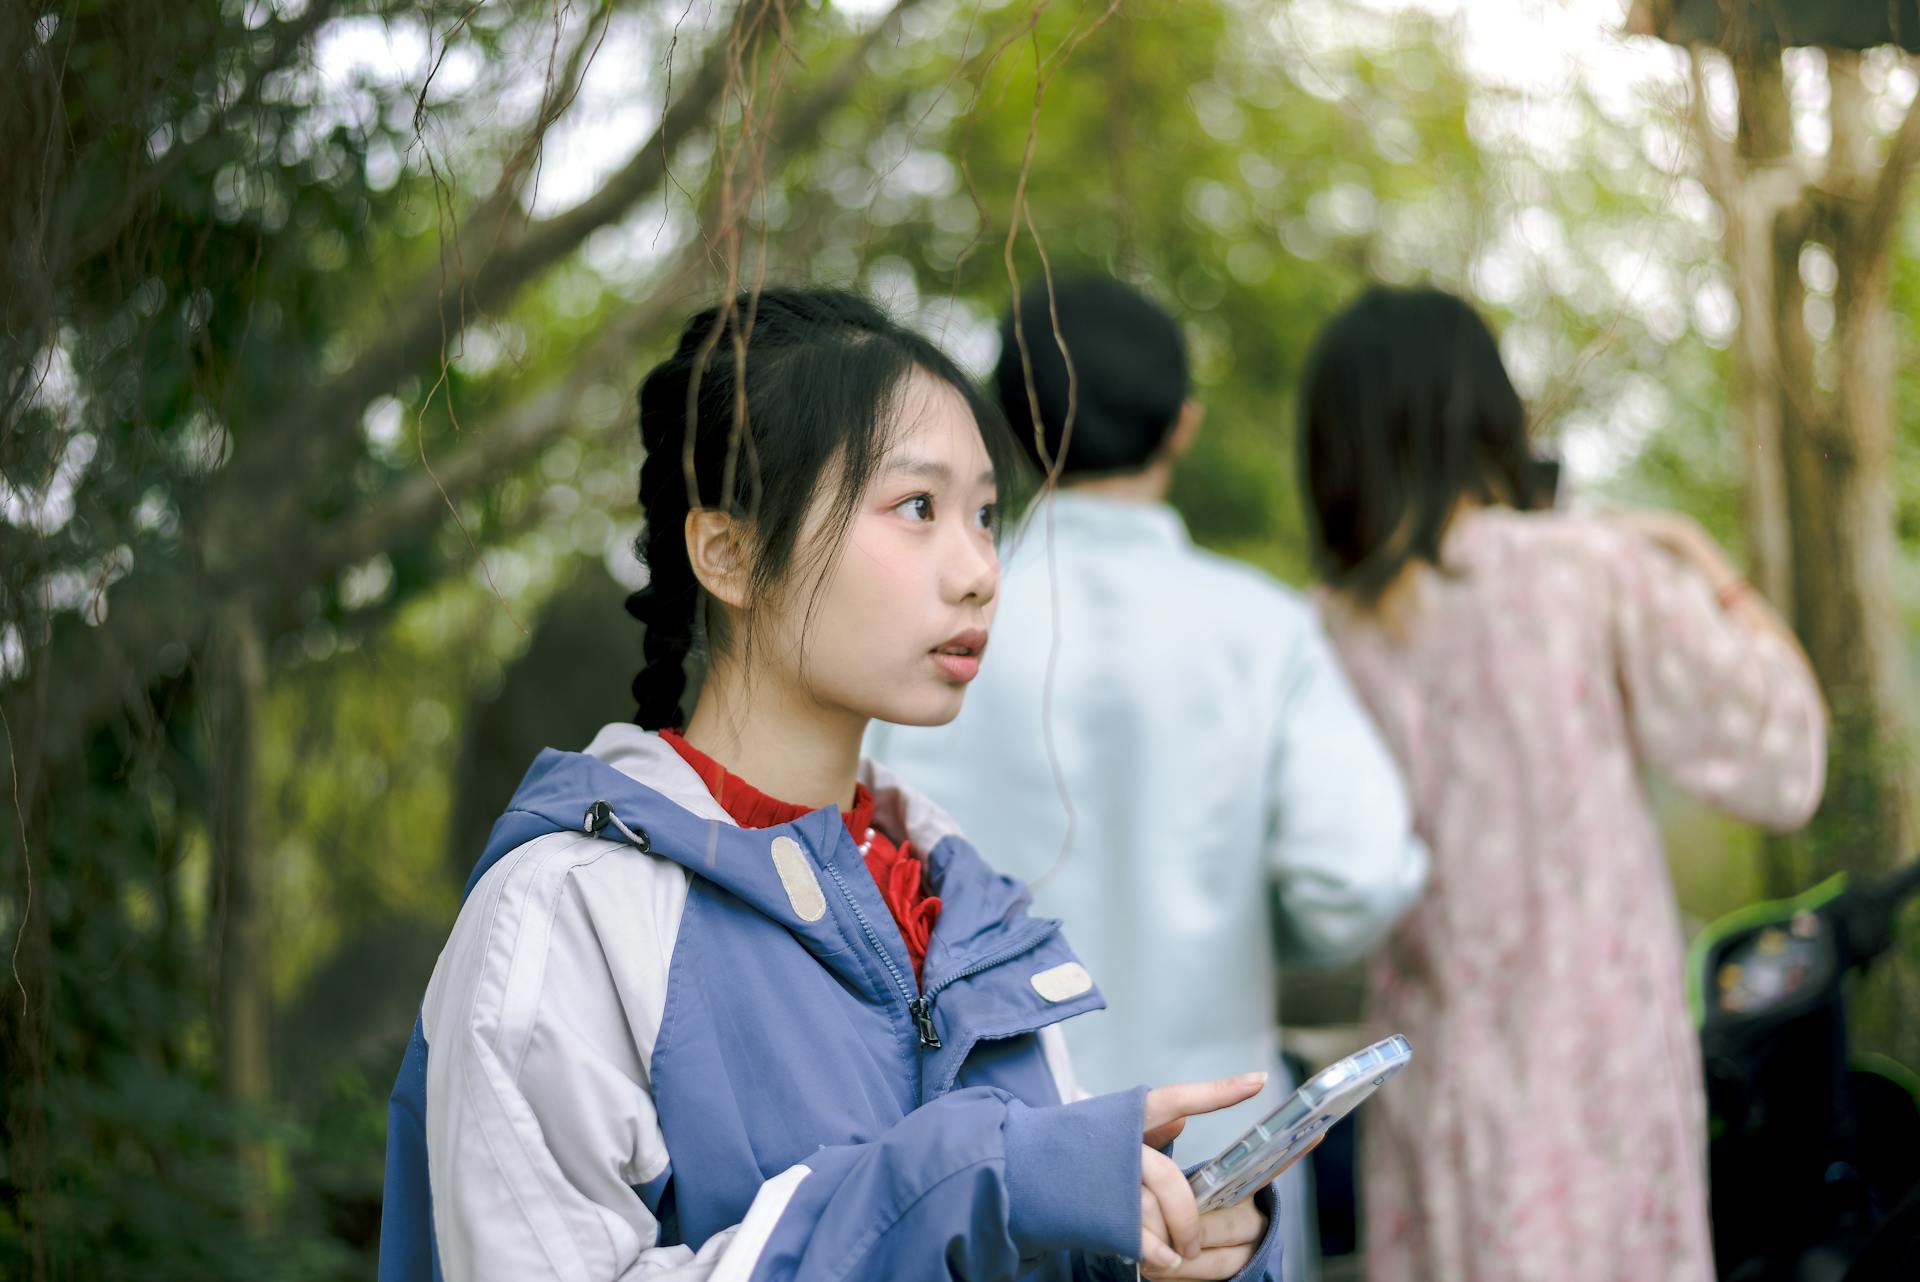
<point>1227,1239</point>
<point>1176,1241</point>
<point>1682,537</point>
<point>1686,539</point>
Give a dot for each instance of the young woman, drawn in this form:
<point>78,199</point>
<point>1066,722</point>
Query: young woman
<point>725,1002</point>
<point>1525,666</point>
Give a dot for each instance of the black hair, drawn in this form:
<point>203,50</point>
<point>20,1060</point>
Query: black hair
<point>762,397</point>
<point>1129,375</point>
<point>1406,409</point>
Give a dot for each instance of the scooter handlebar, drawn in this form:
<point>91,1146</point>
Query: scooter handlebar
<point>1869,910</point>
<point>1899,885</point>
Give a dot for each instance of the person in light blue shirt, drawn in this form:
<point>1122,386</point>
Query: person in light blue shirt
<point>1160,739</point>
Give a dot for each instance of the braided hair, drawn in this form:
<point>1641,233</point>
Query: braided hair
<point>763,396</point>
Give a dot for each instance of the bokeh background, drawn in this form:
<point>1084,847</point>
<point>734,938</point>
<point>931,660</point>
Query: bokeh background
<point>317,457</point>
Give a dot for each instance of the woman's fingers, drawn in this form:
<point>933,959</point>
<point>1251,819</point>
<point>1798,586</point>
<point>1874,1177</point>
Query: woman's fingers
<point>1157,1259</point>
<point>1228,1238</point>
<point>1235,1225</point>
<point>1155,1254</point>
<point>1160,1177</point>
<point>1152,1223</point>
<point>1161,1136</point>
<point>1184,1099</point>
<point>1216,1264</point>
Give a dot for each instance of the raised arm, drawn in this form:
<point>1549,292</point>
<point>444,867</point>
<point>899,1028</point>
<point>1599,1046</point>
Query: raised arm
<point>1719,695</point>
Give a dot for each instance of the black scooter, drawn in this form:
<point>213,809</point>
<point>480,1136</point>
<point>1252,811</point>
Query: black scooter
<point>1814,1155</point>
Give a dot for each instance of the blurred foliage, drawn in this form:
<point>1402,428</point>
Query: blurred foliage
<point>252,195</point>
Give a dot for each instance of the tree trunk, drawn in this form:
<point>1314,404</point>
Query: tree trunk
<point>1761,263</point>
<point>1852,626</point>
<point>1847,612</point>
<point>238,928</point>
<point>1820,507</point>
<point>1772,359</point>
<point>1840,488</point>
<point>1841,481</point>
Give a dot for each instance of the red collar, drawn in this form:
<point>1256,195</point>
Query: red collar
<point>752,808</point>
<point>895,871</point>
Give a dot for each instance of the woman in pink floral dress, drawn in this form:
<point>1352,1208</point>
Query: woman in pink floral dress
<point>1527,668</point>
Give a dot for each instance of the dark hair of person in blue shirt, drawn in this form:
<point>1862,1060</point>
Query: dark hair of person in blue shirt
<point>1105,370</point>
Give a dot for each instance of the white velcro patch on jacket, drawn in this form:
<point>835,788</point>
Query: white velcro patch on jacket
<point>1058,983</point>
<point>796,874</point>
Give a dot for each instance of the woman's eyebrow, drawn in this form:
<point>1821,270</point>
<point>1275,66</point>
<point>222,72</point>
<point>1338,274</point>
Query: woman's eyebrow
<point>930,470</point>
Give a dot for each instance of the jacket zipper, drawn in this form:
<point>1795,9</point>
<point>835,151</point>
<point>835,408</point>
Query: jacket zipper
<point>919,1010</point>
<point>1025,945</point>
<point>920,1006</point>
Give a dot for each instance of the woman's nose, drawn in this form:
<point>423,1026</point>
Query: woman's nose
<point>974,572</point>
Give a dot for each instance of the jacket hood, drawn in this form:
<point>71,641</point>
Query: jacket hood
<point>654,799</point>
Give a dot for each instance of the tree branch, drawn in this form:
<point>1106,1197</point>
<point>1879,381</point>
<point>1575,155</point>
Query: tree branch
<point>288,39</point>
<point>413,506</point>
<point>433,307</point>
<point>312,431</point>
<point>156,626</point>
<point>1758,187</point>
<point>1889,189</point>
<point>1716,153</point>
<point>561,92</point>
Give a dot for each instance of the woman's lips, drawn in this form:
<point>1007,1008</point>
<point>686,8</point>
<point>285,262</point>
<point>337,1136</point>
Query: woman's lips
<point>960,667</point>
<point>959,655</point>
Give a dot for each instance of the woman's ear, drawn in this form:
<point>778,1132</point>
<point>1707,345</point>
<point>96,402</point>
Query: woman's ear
<point>718,549</point>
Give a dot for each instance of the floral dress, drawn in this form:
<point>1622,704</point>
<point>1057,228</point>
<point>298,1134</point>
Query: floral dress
<point>1553,1125</point>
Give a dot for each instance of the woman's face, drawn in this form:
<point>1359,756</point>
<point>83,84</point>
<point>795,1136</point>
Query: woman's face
<point>899,624</point>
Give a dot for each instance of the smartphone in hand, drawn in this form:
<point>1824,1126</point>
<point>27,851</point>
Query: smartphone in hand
<point>1280,1139</point>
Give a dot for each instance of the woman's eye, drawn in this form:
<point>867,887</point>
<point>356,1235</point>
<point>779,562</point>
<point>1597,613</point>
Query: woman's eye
<point>986,515</point>
<point>917,508</point>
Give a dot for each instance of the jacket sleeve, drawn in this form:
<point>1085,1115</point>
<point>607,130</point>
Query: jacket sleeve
<point>1342,853</point>
<point>1266,1261</point>
<point>546,1158</point>
<point>972,1185</point>
<point>943,1196</point>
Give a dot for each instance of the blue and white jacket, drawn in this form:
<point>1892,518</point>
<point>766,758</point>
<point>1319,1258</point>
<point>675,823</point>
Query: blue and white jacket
<point>658,1045</point>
